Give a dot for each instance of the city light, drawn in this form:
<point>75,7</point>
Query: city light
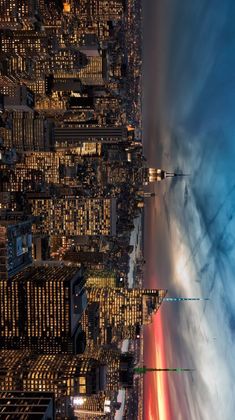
<point>67,7</point>
<point>71,169</point>
<point>78,401</point>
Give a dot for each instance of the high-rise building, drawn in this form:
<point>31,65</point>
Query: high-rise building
<point>41,310</point>
<point>101,10</point>
<point>119,366</point>
<point>64,375</point>
<point>64,61</point>
<point>91,259</point>
<point>156,175</point>
<point>122,310</point>
<point>91,324</point>
<point>15,247</point>
<point>41,247</point>
<point>74,136</point>
<point>9,14</point>
<point>26,131</point>
<point>75,216</point>
<point>22,405</point>
<point>94,73</point>
<point>36,171</point>
<point>21,100</point>
<point>95,407</point>
<point>25,42</point>
<point>101,278</point>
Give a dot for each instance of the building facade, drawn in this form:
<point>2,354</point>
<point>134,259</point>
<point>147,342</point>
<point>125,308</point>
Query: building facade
<point>64,375</point>
<point>41,310</point>
<point>27,405</point>
<point>15,247</point>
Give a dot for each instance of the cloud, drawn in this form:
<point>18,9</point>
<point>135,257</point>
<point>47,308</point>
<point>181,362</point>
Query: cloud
<point>202,261</point>
<point>194,243</point>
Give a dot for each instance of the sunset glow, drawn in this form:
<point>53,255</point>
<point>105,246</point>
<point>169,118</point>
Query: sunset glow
<point>157,405</point>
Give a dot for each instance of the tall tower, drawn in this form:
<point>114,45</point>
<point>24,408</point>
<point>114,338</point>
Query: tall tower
<point>156,175</point>
<point>143,370</point>
<point>182,299</point>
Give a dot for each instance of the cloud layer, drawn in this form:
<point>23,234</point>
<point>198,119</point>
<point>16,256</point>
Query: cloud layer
<point>194,237</point>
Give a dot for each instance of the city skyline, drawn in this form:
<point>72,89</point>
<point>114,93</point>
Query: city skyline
<point>73,181</point>
<point>117,203</point>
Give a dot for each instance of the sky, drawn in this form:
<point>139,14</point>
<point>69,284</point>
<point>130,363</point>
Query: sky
<point>189,126</point>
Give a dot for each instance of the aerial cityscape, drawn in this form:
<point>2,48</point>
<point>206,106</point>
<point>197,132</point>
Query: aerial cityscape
<point>117,200</point>
<point>73,185</point>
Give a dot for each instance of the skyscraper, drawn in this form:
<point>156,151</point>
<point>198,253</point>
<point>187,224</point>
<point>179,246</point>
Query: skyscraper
<point>64,375</point>
<point>26,131</point>
<point>94,407</point>
<point>122,310</point>
<point>37,171</point>
<point>22,405</point>
<point>75,216</point>
<point>74,136</point>
<point>91,324</point>
<point>156,175</point>
<point>15,247</point>
<point>101,278</point>
<point>41,310</point>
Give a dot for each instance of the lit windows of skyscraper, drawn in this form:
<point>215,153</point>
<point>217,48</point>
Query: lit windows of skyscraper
<point>41,310</point>
<point>101,278</point>
<point>9,14</point>
<point>96,406</point>
<point>122,310</point>
<point>75,216</point>
<point>68,165</point>
<point>65,375</point>
<point>37,171</point>
<point>100,10</point>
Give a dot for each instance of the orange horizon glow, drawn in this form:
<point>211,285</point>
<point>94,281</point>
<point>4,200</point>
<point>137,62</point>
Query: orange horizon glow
<point>156,388</point>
